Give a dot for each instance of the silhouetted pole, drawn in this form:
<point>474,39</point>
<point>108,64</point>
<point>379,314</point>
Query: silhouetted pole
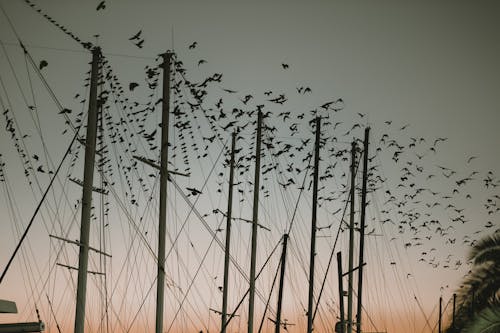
<point>282,283</point>
<point>313,227</point>
<point>362,229</point>
<point>251,297</point>
<point>341,292</point>
<point>160,287</point>
<point>453,314</point>
<point>228,234</point>
<point>440,313</point>
<point>88,181</point>
<point>351,238</point>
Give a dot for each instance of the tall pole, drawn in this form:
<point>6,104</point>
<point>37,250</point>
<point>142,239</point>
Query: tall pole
<point>351,237</point>
<point>313,227</point>
<point>88,180</point>
<point>453,314</point>
<point>160,287</point>
<point>362,229</point>
<point>251,297</point>
<point>282,283</point>
<point>440,313</point>
<point>341,292</point>
<point>228,234</point>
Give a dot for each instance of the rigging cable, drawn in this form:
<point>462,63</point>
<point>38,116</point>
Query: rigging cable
<point>37,209</point>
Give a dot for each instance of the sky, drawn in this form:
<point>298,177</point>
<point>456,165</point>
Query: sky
<point>428,67</point>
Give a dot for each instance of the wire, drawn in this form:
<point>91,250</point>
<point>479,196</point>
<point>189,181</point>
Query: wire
<point>37,209</point>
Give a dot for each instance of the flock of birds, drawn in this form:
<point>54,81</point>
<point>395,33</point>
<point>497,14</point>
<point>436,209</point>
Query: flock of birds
<point>409,202</point>
<point>422,200</point>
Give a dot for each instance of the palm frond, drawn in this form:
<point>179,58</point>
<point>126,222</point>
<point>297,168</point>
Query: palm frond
<point>486,321</point>
<point>486,249</point>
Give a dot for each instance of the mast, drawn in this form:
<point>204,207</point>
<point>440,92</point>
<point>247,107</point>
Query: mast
<point>453,315</point>
<point>282,283</point>
<point>251,297</point>
<point>228,234</point>
<point>313,227</point>
<point>351,237</point>
<point>440,313</point>
<point>362,229</point>
<point>88,179</point>
<point>341,292</point>
<point>160,288</point>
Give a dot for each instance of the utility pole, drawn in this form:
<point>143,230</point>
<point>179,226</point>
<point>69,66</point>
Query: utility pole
<point>228,234</point>
<point>160,287</point>
<point>282,283</point>
<point>251,297</point>
<point>313,227</point>
<point>88,179</point>
<point>341,292</point>
<point>362,229</point>
<point>351,237</point>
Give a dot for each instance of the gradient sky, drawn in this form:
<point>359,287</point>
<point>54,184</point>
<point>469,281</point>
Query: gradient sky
<point>431,65</point>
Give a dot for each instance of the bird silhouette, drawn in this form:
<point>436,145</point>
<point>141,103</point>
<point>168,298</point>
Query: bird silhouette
<point>101,5</point>
<point>136,36</point>
<point>42,64</point>
<point>132,86</point>
<point>139,43</point>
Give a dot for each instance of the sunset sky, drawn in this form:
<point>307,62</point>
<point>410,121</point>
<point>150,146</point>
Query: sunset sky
<point>424,74</point>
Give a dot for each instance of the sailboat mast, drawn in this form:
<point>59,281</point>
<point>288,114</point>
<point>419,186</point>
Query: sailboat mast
<point>228,234</point>
<point>351,238</point>
<point>282,283</point>
<point>313,227</point>
<point>440,313</point>
<point>88,179</point>
<point>160,288</point>
<point>341,292</point>
<point>362,228</point>
<point>251,297</point>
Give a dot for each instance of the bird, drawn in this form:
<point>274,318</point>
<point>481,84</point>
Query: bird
<point>43,64</point>
<point>471,158</point>
<point>136,36</point>
<point>202,61</point>
<point>65,110</point>
<point>132,86</point>
<point>139,43</point>
<point>193,190</point>
<point>285,66</point>
<point>101,5</point>
<point>193,45</point>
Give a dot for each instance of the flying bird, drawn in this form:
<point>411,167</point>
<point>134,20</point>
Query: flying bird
<point>63,111</point>
<point>193,190</point>
<point>471,158</point>
<point>136,36</point>
<point>132,86</point>
<point>285,66</point>
<point>193,45</point>
<point>139,43</point>
<point>43,64</point>
<point>101,5</point>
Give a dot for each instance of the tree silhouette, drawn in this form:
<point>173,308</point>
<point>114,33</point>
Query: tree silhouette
<point>478,307</point>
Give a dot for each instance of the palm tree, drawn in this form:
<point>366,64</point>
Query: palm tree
<point>486,321</point>
<point>478,298</point>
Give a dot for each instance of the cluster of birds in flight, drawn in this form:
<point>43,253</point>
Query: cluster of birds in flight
<point>421,199</point>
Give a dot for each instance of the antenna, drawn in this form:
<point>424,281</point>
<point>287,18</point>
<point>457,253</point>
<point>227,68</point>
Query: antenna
<point>172,37</point>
